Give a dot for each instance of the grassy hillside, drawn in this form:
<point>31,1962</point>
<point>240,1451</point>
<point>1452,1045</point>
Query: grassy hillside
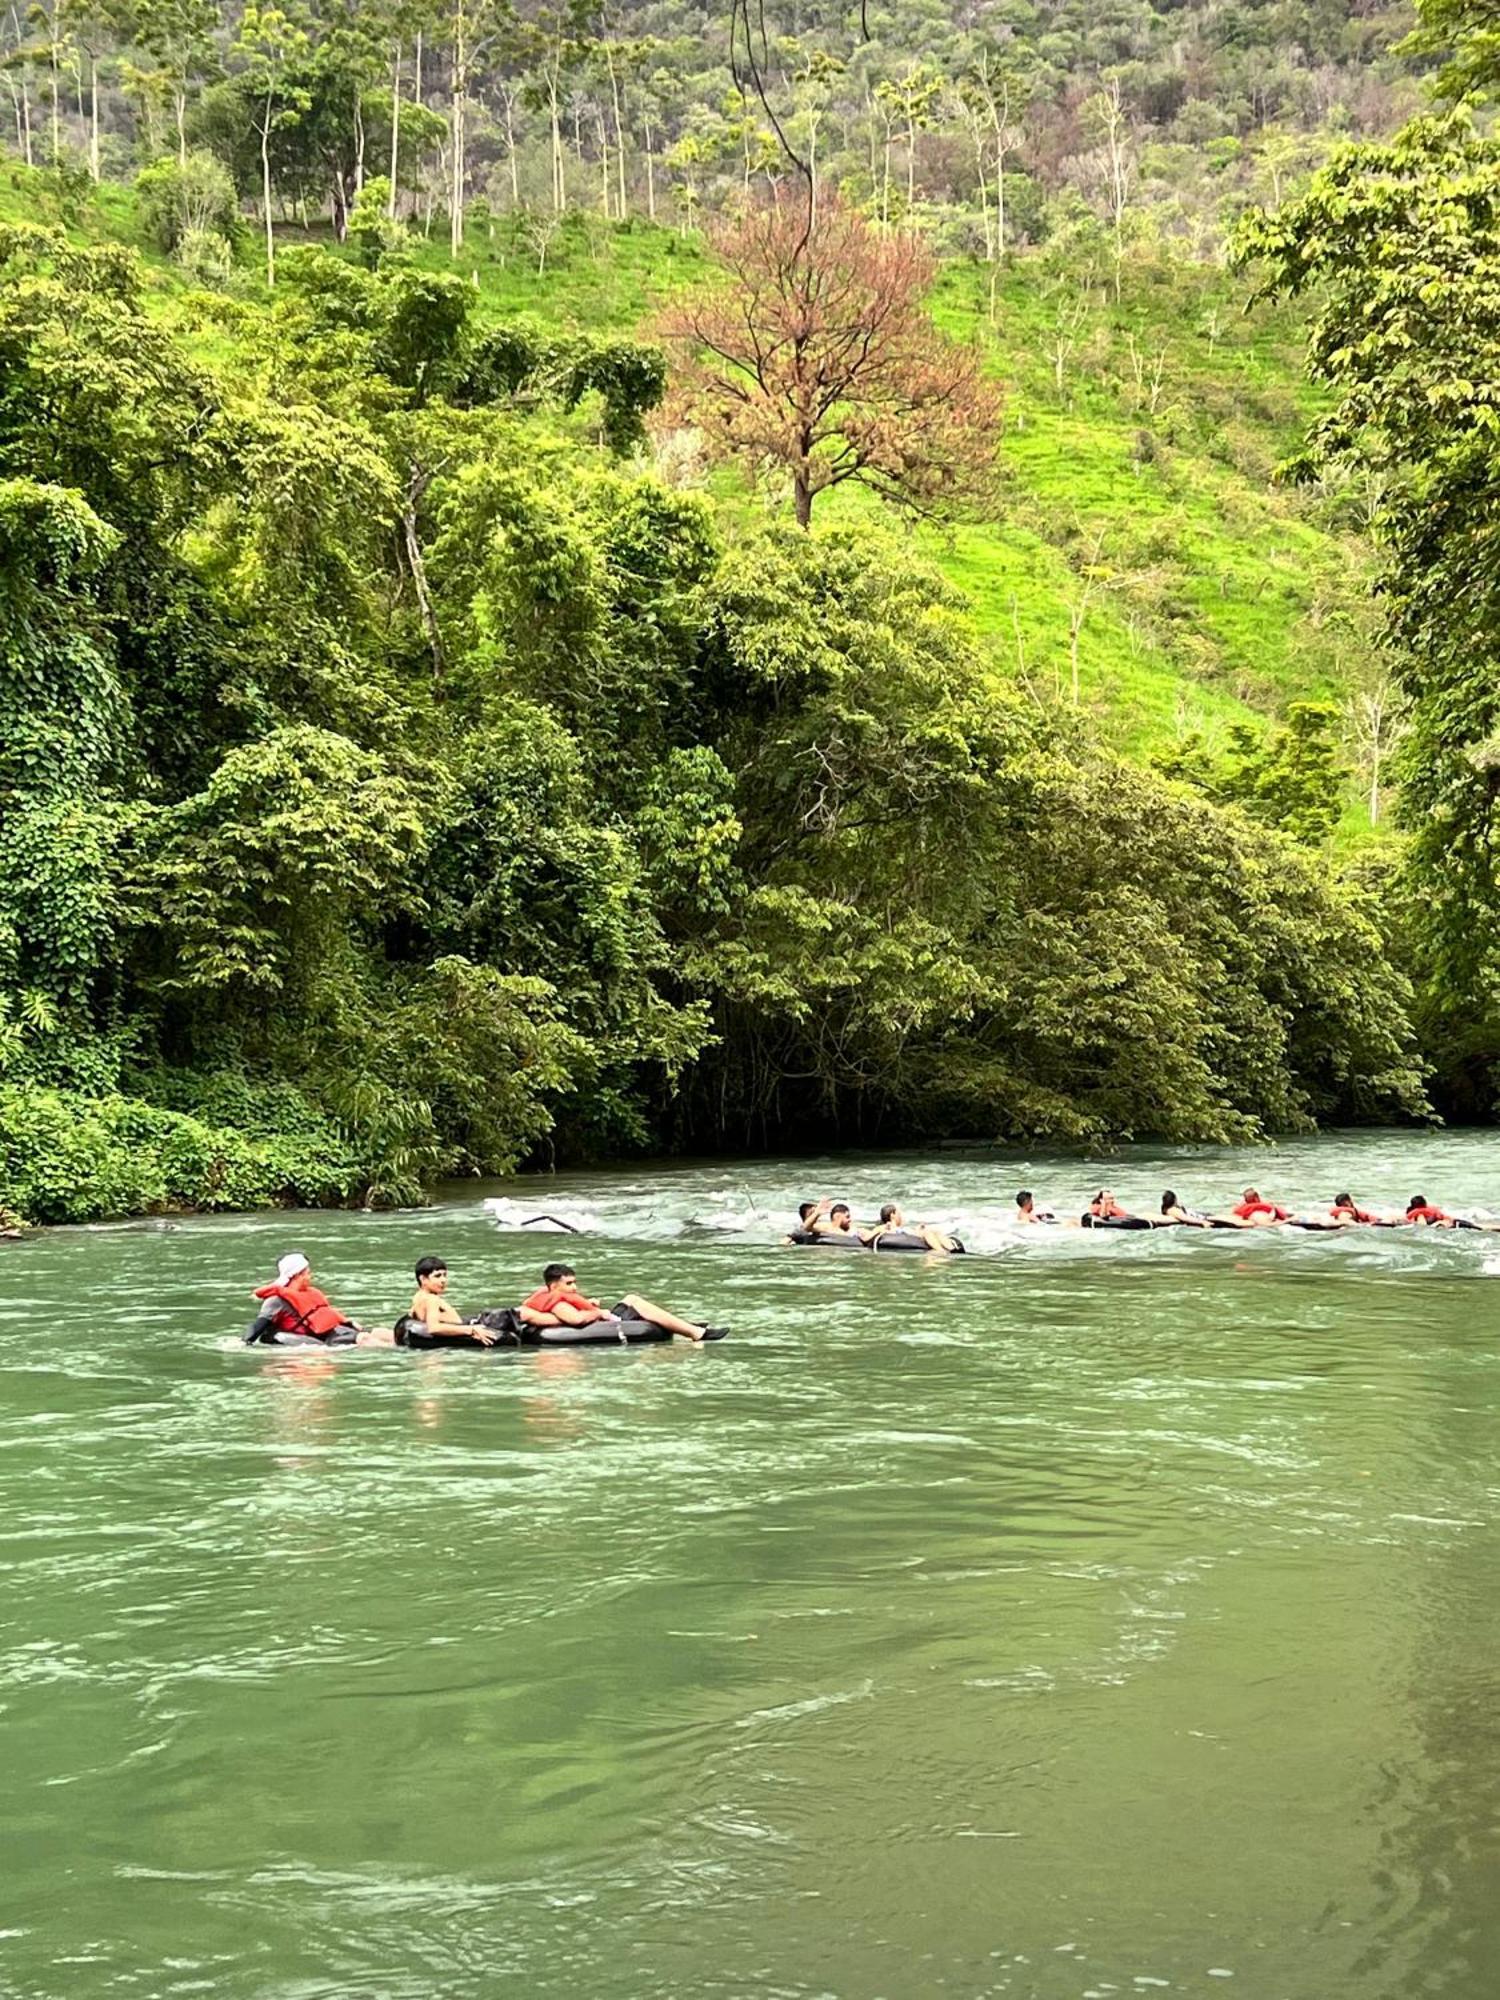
<point>1140,505</point>
<point>1142,540</point>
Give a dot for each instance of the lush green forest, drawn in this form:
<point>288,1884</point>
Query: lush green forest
<point>428,744</point>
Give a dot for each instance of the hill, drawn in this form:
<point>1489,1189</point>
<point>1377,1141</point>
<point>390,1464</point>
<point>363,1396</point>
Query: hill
<point>1144,541</point>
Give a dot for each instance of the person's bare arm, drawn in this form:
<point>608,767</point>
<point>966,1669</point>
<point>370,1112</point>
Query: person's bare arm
<point>566,1315</point>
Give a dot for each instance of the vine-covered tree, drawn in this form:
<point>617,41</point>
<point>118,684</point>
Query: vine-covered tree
<point>1402,243</point>
<point>815,356</point>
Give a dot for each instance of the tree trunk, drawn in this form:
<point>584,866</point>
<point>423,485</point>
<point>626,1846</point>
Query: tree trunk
<point>650,172</point>
<point>93,117</point>
<point>911,167</point>
<point>460,85</point>
<point>559,183</point>
<point>984,199</point>
<point>802,493</point>
<point>26,122</point>
<point>179,99</point>
<point>390,202</point>
<point>614,90</point>
<point>265,190</point>
<point>416,487</point>
<point>359,143</point>
<point>510,151</point>
<point>56,104</point>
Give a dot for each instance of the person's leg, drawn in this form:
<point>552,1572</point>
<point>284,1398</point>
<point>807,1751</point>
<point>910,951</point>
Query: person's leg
<point>659,1316</point>
<point>936,1239</point>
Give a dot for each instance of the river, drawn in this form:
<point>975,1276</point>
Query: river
<point>1098,1616</point>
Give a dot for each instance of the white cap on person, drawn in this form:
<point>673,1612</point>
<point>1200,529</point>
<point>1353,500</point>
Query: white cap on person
<point>291,1266</point>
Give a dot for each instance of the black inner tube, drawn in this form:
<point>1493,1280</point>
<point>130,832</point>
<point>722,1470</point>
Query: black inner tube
<point>888,1239</point>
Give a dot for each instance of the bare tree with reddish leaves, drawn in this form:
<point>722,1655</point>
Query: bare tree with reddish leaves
<point>817,357</point>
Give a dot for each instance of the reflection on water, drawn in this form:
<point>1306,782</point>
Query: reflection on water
<point>1095,1618</point>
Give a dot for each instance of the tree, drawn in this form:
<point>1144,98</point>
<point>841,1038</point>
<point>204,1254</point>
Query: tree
<point>179,34</point>
<point>269,42</point>
<point>1402,243</point>
<point>816,357</point>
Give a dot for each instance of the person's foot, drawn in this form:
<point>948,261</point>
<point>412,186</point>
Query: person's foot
<point>715,1333</point>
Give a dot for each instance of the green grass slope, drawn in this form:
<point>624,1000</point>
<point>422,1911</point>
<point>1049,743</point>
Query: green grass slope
<point>1141,554</point>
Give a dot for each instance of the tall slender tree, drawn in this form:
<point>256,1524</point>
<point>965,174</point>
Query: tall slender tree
<point>269,42</point>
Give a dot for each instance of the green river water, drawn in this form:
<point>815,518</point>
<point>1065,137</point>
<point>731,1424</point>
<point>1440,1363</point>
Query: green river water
<point>1100,1616</point>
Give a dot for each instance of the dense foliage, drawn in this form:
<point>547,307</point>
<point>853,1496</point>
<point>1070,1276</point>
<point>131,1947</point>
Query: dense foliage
<point>1402,244</point>
<point>413,762</point>
<point>397,784</point>
<point>1000,125</point>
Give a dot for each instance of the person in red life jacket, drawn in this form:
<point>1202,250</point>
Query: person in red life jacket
<point>1252,1207</point>
<point>1421,1211</point>
<point>1346,1211</point>
<point>558,1302</point>
<point>292,1308</point>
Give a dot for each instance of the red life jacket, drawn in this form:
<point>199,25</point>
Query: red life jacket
<point>1428,1214</point>
<point>560,1295</point>
<point>304,1309</point>
<point>1355,1214</point>
<point>1247,1209</point>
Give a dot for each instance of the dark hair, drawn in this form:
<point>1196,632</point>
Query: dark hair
<point>1417,1201</point>
<point>841,1208</point>
<point>1343,1201</point>
<point>428,1266</point>
<point>555,1273</point>
<point>805,1209</point>
<point>1168,1200</point>
<point>1023,1198</point>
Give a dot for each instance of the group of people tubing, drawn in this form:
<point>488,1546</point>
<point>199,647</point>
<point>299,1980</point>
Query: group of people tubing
<point>1253,1211</point>
<point>293,1312</point>
<point>829,1223</point>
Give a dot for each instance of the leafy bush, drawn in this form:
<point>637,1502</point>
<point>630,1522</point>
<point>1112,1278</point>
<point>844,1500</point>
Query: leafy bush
<point>186,201</point>
<point>65,1158</point>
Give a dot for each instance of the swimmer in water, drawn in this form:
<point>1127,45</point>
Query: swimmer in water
<point>892,1218</point>
<point>430,1307</point>
<point>292,1308</point>
<point>1347,1212</point>
<point>558,1302</point>
<point>838,1221</point>
<point>1253,1208</point>
<point>1422,1214</point>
